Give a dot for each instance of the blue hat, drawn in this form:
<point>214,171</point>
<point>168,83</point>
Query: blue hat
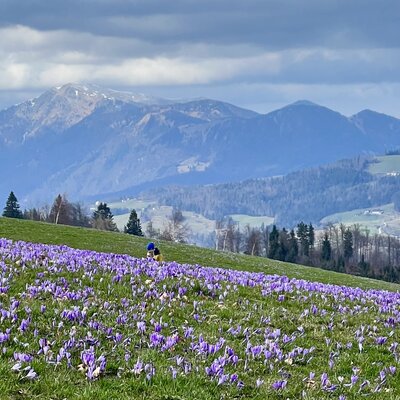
<point>150,246</point>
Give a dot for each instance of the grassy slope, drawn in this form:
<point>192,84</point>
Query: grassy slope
<point>326,328</point>
<point>120,243</point>
<point>386,223</point>
<point>385,165</point>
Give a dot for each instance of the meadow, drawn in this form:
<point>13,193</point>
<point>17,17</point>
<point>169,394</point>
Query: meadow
<point>385,165</point>
<point>83,318</point>
<point>377,220</point>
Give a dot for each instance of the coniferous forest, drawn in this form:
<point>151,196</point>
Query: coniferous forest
<point>349,249</point>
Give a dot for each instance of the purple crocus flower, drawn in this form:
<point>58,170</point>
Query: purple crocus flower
<point>150,371</point>
<point>381,340</point>
<point>138,368</point>
<point>259,382</point>
<point>353,380</point>
<point>382,375</point>
<point>222,379</point>
<point>16,367</point>
<point>23,357</point>
<point>4,337</point>
<point>174,372</point>
<point>88,357</point>
<point>141,326</point>
<point>324,379</point>
<point>24,325</point>
<point>364,384</point>
<point>278,385</point>
<point>31,374</point>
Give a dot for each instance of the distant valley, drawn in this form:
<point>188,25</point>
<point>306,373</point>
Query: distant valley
<point>363,191</point>
<point>309,194</point>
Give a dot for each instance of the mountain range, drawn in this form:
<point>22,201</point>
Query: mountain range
<point>90,142</point>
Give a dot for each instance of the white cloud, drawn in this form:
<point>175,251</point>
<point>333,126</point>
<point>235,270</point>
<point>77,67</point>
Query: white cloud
<point>57,57</point>
<point>182,71</point>
<point>188,65</point>
<point>22,38</point>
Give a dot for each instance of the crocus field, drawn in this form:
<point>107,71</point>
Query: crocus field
<point>87,325</point>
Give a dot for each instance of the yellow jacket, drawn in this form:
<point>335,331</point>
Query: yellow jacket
<point>158,257</point>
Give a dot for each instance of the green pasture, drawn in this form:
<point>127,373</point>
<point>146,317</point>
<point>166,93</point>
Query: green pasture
<point>115,242</point>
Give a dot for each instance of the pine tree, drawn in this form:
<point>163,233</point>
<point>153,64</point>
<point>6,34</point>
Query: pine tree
<point>11,210</point>
<point>133,227</point>
<point>293,250</point>
<point>80,218</point>
<point>347,244</point>
<point>273,243</point>
<point>340,264</point>
<point>311,236</point>
<point>103,219</point>
<point>304,238</point>
<point>283,245</point>
<point>364,266</point>
<point>326,251</point>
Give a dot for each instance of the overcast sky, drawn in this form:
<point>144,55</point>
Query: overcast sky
<point>258,54</point>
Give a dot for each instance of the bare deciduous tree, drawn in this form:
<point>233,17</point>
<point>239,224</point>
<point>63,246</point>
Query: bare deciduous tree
<point>175,230</point>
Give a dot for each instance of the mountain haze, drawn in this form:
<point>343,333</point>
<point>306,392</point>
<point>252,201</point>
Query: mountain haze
<point>86,141</point>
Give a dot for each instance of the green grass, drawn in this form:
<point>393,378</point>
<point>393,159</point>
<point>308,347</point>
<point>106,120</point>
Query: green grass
<point>329,326</point>
<point>385,165</point>
<point>111,242</point>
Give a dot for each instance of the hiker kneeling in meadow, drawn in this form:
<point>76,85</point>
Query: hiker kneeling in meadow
<point>153,252</point>
<point>150,250</point>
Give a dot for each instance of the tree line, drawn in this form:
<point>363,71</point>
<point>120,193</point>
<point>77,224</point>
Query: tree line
<point>64,212</point>
<point>341,248</point>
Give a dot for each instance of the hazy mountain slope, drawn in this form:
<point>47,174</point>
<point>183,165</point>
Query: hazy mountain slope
<point>84,140</point>
<point>307,195</point>
<point>380,129</point>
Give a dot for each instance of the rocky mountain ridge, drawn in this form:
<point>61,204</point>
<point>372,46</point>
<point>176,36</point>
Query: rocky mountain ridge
<point>87,141</point>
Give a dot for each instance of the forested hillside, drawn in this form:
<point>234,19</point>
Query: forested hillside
<point>307,195</point>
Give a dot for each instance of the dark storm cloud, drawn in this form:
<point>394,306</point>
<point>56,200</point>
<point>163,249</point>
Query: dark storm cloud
<point>257,53</point>
<point>271,24</point>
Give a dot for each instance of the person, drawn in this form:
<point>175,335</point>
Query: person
<point>157,255</point>
<point>150,250</point>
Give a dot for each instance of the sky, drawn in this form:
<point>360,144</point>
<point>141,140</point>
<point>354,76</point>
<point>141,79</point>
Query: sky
<point>257,54</point>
